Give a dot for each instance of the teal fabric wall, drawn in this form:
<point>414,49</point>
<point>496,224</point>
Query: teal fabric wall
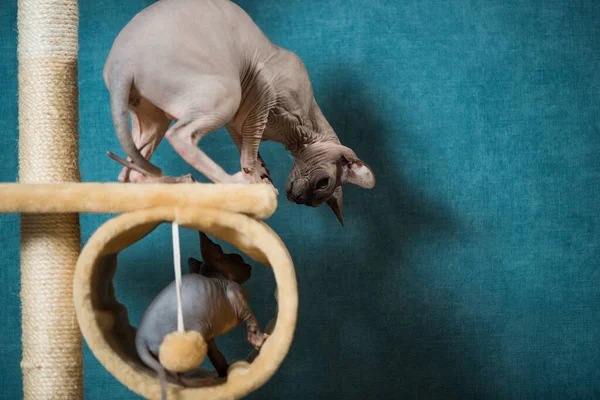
<point>471,271</point>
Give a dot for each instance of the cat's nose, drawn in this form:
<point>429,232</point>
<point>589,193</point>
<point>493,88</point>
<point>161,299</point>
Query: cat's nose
<point>295,192</point>
<point>295,197</point>
<point>299,198</point>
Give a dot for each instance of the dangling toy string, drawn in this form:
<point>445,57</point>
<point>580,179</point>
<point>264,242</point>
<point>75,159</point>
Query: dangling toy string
<point>177,263</point>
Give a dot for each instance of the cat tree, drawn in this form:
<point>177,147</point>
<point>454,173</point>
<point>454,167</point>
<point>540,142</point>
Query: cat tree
<point>63,291</point>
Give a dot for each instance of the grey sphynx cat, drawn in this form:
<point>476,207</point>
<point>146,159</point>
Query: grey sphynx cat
<point>205,64</point>
<point>214,302</point>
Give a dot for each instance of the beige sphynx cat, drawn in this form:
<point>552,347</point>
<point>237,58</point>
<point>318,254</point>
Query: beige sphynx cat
<point>205,64</point>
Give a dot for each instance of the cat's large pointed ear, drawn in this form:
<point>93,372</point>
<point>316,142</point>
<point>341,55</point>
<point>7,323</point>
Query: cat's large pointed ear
<point>356,172</point>
<point>210,251</point>
<point>335,202</point>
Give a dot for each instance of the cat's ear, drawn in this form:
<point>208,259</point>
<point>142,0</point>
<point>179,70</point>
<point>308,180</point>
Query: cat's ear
<point>335,203</point>
<point>211,251</point>
<point>356,172</point>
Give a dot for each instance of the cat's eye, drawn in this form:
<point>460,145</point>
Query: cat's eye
<point>323,183</point>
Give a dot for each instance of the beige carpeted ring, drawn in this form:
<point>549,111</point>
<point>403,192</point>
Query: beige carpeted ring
<point>104,322</point>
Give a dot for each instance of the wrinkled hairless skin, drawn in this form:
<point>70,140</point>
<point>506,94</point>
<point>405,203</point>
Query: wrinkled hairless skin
<point>205,65</point>
<point>214,302</point>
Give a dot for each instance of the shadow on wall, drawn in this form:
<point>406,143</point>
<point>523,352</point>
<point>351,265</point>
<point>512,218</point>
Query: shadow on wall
<point>367,326</point>
<point>370,321</point>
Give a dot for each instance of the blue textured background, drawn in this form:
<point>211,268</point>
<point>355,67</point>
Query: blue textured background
<point>471,271</point>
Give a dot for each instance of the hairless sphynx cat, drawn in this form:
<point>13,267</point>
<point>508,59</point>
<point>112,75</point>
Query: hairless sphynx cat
<point>205,64</point>
<point>214,302</point>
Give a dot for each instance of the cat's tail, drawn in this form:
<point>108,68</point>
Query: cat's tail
<point>120,83</point>
<point>142,349</point>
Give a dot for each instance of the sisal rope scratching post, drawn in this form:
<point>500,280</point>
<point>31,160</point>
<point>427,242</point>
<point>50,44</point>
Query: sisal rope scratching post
<point>48,153</point>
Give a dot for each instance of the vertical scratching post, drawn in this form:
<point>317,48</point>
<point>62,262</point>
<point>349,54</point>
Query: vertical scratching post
<point>48,153</point>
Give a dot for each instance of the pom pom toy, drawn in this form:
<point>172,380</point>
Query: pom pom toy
<point>182,351</point>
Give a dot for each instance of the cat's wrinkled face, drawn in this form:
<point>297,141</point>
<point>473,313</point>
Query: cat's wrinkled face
<point>312,186</point>
<point>319,172</point>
